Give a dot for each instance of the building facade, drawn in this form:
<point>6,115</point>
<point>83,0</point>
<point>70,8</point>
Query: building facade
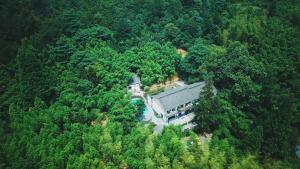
<point>135,86</point>
<point>174,105</point>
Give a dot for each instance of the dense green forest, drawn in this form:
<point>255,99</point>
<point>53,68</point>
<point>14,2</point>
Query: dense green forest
<point>65,66</point>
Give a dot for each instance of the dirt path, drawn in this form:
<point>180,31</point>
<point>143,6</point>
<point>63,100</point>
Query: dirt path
<point>182,52</point>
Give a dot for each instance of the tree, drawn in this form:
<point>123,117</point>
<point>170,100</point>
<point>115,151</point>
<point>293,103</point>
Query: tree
<point>31,73</point>
<point>195,59</point>
<point>140,107</point>
<point>204,107</point>
<point>151,73</point>
<point>173,34</point>
<point>65,66</point>
<point>94,33</point>
<point>239,72</point>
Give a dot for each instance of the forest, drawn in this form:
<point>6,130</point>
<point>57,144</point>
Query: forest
<point>65,66</point>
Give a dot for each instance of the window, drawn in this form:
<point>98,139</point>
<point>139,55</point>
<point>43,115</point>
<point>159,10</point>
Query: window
<point>171,118</point>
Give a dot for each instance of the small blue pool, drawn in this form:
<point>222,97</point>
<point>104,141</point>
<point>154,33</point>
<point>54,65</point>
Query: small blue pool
<point>145,112</point>
<point>134,100</point>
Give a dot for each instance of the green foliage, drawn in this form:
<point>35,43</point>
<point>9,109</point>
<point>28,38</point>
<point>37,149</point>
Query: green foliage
<point>140,107</point>
<point>246,25</point>
<point>93,33</point>
<point>63,98</point>
<point>152,61</point>
<point>151,72</point>
<point>196,57</point>
<point>31,73</point>
<point>248,79</point>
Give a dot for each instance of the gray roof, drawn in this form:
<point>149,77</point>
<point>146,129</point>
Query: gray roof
<point>135,79</point>
<point>177,96</point>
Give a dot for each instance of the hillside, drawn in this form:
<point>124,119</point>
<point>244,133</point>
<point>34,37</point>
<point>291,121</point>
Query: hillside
<point>65,66</point>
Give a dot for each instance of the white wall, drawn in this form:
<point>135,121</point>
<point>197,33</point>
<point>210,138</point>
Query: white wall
<point>156,107</point>
<point>149,100</point>
<point>135,88</point>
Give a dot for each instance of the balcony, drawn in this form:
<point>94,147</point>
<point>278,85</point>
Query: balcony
<point>185,108</point>
<point>184,119</point>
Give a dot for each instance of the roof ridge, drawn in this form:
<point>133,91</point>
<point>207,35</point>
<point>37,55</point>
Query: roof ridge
<point>195,84</point>
<point>178,96</point>
<point>178,89</point>
<point>182,88</point>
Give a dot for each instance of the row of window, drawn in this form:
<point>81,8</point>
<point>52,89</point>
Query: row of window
<point>179,107</point>
<point>178,116</point>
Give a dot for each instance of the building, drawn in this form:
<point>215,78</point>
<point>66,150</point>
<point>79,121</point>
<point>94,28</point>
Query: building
<point>135,86</point>
<point>173,105</point>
